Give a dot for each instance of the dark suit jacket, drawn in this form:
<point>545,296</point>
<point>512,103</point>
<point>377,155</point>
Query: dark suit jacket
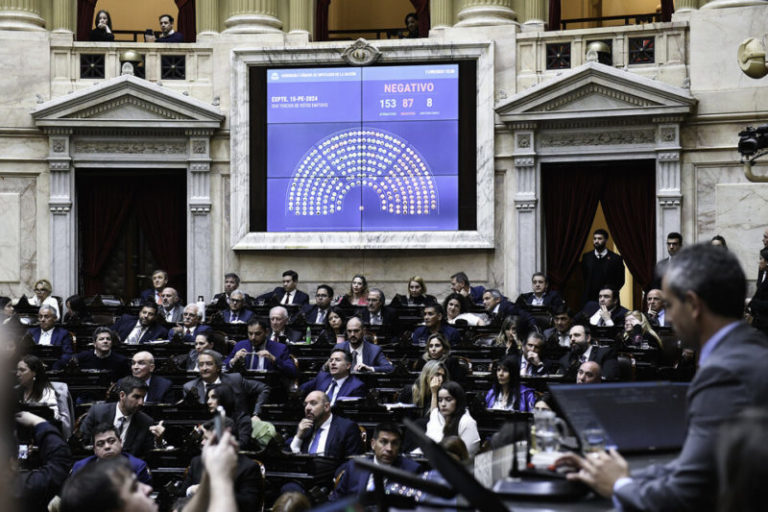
<point>34,489</point>
<point>248,481</point>
<point>354,480</point>
<point>60,337</point>
<point>421,334</point>
<point>139,467</point>
<point>388,316</point>
<point>401,301</point>
<point>527,323</point>
<point>283,361</point>
<point>605,356</point>
<point>552,298</point>
<point>190,338</point>
<point>243,316</point>
<point>117,364</point>
<point>352,387</point>
<point>343,439</point>
<point>310,314</point>
<point>372,356</point>
<point>178,312</point>
<point>476,294</point>
<point>617,315</point>
<point>220,300</point>
<point>597,273</point>
<point>148,295</point>
<point>126,323</point>
<point>291,335</point>
<point>276,296</point>
<point>758,307</point>
<point>160,391</point>
<point>246,391</point>
<point>731,378</point>
<point>138,440</point>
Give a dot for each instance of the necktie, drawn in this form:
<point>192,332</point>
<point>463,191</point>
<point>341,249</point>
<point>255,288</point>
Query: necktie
<point>189,331</point>
<point>315,441</point>
<point>320,317</point>
<point>601,322</point>
<point>332,391</point>
<point>287,298</point>
<point>234,318</point>
<point>354,359</point>
<point>121,427</point>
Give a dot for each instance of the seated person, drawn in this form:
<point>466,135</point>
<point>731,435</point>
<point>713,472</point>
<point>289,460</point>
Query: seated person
<point>417,295</point>
<point>558,337</point>
<point>531,362</point>
<point>509,336</point>
<point>102,357</point>
<point>317,314</point>
<point>48,333</point>
<point>237,314</point>
<point>248,482</point>
<point>43,290</point>
<point>247,391</point>
<point>460,284</point>
<point>280,332</point>
<point>322,433</point>
<point>188,361</point>
<point>231,283</point>
<point>358,293</point>
<point>657,313</point>
<point>335,328</point>
<point>140,329</point>
<point>77,311</point>
<point>259,353</point>
<point>451,418</point>
<point>191,324</point>
<point>583,350</point>
<point>286,294</point>
<point>106,445</point>
<point>34,386</point>
<point>337,382</point>
<point>377,314</point>
<point>385,443</point>
<point>507,393</point>
<point>423,392</point>
<point>606,311</point>
<point>159,389</point>
<point>168,34</point>
<point>541,294</point>
<point>171,311</point>
<point>366,357</point>
<point>456,307</point>
<point>433,324</point>
<point>224,396</point>
<point>438,349</point>
<point>589,373</point>
<point>154,294</point>
<point>497,308</point>
<point>638,332</point>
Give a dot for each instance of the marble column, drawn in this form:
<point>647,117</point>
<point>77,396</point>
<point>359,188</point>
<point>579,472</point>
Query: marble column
<point>207,13</point>
<point>253,17</point>
<point>475,13</point>
<point>20,15</point>
<point>199,250</point>
<point>686,5</point>
<point>721,4</point>
<point>535,15</point>
<point>62,225</point>
<point>526,199</point>
<point>62,17</point>
<point>441,13</point>
<point>300,16</point>
<point>668,189</point>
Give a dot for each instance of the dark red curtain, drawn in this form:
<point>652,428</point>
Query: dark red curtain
<point>567,221</point>
<point>667,8</point>
<point>185,21</point>
<point>103,207</point>
<point>422,12</point>
<point>554,15</point>
<point>631,216</point>
<point>85,9</point>
<point>321,20</point>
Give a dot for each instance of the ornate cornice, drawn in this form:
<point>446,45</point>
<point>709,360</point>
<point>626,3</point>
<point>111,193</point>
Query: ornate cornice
<point>590,90</point>
<point>598,138</point>
<point>133,148</point>
<point>116,103</point>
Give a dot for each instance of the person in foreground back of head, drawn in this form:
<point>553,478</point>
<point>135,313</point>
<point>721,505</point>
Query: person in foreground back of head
<point>704,287</point>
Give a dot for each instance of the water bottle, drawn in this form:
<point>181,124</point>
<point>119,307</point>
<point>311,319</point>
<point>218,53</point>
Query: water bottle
<point>201,308</point>
<point>308,337</point>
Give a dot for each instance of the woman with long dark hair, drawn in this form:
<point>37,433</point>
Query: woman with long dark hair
<point>103,29</point>
<point>451,418</point>
<point>335,330</point>
<point>507,393</point>
<point>34,386</point>
<point>223,395</point>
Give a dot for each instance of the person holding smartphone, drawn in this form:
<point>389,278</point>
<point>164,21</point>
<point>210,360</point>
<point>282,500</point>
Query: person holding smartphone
<point>168,34</point>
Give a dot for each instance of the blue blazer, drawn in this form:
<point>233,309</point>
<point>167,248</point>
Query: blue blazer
<point>372,356</point>
<point>190,338</point>
<point>421,334</point>
<point>354,480</point>
<point>60,337</point>
<point>139,467</point>
<point>617,315</point>
<point>552,298</point>
<point>343,439</point>
<point>299,298</point>
<point>352,387</point>
<point>527,399</point>
<point>160,391</point>
<point>283,362</point>
<point>126,323</point>
<point>476,294</point>
<point>243,316</point>
<point>148,295</point>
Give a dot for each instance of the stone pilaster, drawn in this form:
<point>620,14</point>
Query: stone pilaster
<point>474,13</point>
<point>20,15</point>
<point>668,188</point>
<point>534,15</point>
<point>62,219</point>
<point>441,13</point>
<point>526,198</point>
<point>253,17</point>
<point>199,251</point>
<point>62,16</point>
<point>300,16</point>
<point>207,16</point>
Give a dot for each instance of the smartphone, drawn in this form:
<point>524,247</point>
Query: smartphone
<point>218,422</point>
<point>23,451</point>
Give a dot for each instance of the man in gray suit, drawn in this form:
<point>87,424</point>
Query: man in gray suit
<point>705,289</point>
<point>247,391</point>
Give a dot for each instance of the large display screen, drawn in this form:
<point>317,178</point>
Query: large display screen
<point>362,149</point>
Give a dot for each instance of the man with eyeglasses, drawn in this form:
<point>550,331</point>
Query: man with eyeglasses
<point>237,314</point>
<point>48,334</point>
<point>190,324</point>
<point>318,313</point>
<point>107,445</point>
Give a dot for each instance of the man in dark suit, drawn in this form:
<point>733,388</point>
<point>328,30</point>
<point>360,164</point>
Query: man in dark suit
<point>48,334</point>
<point>280,332</point>
<point>460,284</point>
<point>237,314</point>
<point>657,314</point>
<point>317,314</point>
<point>102,357</point>
<point>159,281</point>
<point>231,283</point>
<point>323,433</point>
<point>601,268</point>
<point>704,287</point>
<point>336,382</point>
<point>248,481</point>
<point>532,362</point>
<point>557,337</point>
<point>287,294</point>
<point>386,442</point>
<point>259,353</point>
<point>674,243</point>
<point>140,329</point>
<point>158,388</point>
<point>377,315</point>
<point>170,311</point>
<point>366,357</point>
<point>433,324</point>
<point>583,350</point>
<point>132,424</point>
<point>541,295</point>
<point>190,324</point>
<point>106,445</point>
<point>247,391</point>
<point>497,309</point>
<point>606,312</point>
<point>762,273</point>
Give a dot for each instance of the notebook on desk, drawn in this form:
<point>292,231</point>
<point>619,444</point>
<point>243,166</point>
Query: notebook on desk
<point>637,417</point>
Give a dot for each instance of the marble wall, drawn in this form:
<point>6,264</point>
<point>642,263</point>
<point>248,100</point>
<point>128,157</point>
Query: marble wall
<point>18,241</point>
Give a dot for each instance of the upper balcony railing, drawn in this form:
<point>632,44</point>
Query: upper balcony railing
<point>628,19</point>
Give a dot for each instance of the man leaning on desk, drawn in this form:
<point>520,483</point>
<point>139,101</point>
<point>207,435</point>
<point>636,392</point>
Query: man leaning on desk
<point>705,289</point>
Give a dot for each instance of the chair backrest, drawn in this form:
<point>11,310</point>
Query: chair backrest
<point>66,407</point>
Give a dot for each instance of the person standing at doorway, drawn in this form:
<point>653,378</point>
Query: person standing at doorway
<point>601,268</point>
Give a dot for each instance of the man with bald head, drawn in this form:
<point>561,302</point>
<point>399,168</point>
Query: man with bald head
<point>657,314</point>
<point>323,433</point>
<point>589,373</point>
<point>366,357</point>
<point>279,330</point>
<point>170,309</point>
<point>158,388</point>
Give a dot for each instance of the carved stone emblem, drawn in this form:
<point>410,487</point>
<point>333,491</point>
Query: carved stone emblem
<point>361,53</point>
